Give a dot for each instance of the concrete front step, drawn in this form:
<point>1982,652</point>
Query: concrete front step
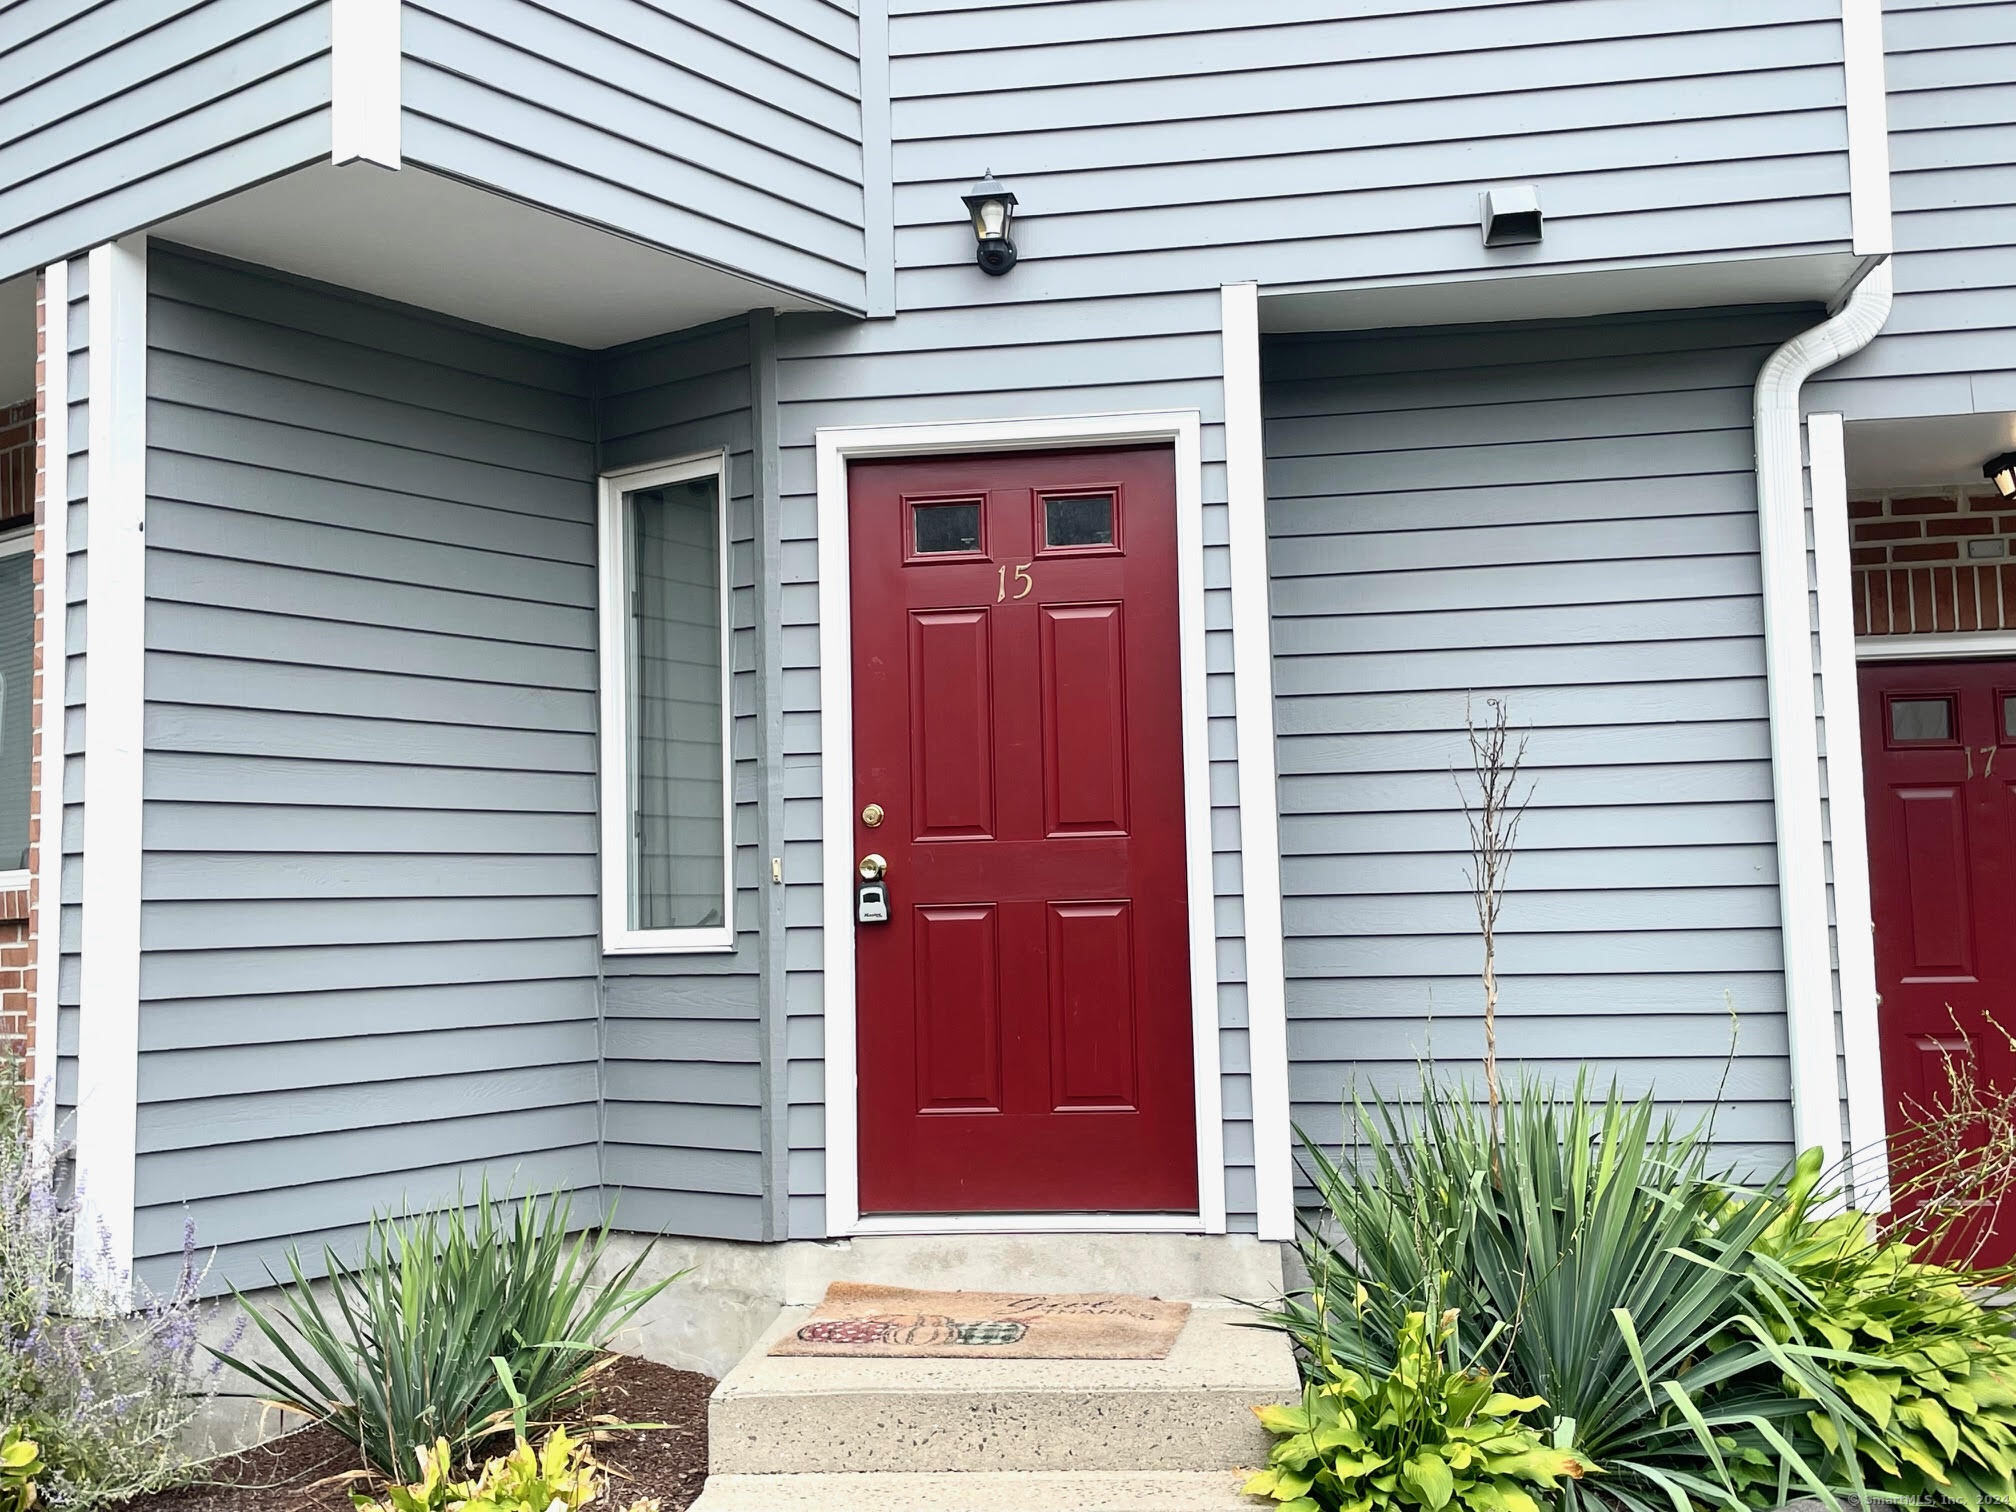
<point>774,1417</point>
<point>981,1491</point>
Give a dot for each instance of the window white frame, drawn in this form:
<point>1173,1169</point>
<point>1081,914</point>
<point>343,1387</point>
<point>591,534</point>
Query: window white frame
<point>14,543</point>
<point>616,800</point>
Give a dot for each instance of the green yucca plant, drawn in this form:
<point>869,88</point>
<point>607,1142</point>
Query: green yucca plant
<point>451,1323</point>
<point>1597,1234</point>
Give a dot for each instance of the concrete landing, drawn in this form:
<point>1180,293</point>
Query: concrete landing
<point>1191,1411</point>
<point>981,1491</point>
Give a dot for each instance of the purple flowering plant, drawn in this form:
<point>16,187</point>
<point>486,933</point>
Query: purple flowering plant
<point>104,1374</point>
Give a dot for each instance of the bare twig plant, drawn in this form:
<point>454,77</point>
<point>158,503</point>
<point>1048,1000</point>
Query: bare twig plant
<point>1493,818</point>
<point>1955,1161</point>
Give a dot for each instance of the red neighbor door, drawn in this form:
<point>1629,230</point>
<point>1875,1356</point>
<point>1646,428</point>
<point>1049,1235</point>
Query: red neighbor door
<point>1940,754</point>
<point>1024,1014</point>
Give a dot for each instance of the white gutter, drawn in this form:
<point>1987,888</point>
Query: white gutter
<point>1791,668</point>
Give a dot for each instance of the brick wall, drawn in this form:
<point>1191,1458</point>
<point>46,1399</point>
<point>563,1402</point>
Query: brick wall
<point>20,478</point>
<point>1933,560</point>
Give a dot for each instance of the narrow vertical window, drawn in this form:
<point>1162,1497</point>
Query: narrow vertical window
<point>17,686</point>
<point>666,806</point>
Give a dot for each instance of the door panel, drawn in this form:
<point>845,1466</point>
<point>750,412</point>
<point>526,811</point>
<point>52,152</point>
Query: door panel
<point>1091,948</point>
<point>1024,1014</point>
<point>958,1010</point>
<point>1938,940</point>
<point>1084,720</point>
<point>952,725</point>
<point>1942,820</point>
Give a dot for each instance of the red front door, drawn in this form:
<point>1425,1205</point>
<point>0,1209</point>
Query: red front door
<point>1939,745</point>
<point>1024,1013</point>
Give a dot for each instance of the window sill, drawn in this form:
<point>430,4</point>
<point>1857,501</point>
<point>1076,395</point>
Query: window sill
<point>631,942</point>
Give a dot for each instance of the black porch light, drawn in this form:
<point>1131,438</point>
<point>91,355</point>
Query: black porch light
<point>992,205</point>
<point>2001,471</point>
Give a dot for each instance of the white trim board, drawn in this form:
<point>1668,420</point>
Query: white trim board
<point>1848,820</point>
<point>614,798</point>
<point>54,627</point>
<point>836,447</point>
<point>108,1040</point>
<point>364,101</point>
<point>1868,126</point>
<point>1951,646</point>
<point>1259,816</point>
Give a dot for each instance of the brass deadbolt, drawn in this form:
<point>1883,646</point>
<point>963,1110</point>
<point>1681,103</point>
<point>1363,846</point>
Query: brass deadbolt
<point>872,815</point>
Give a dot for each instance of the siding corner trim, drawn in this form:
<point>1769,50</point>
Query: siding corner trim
<point>364,96</point>
<point>1863,85</point>
<point>108,1048</point>
<point>1259,802</point>
<point>1854,926</point>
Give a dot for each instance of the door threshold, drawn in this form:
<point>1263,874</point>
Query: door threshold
<point>1026,1223</point>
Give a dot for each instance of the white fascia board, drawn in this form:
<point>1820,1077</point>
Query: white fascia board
<point>53,627</point>
<point>108,1049</point>
<point>364,82</point>
<point>1259,818</point>
<point>1854,925</point>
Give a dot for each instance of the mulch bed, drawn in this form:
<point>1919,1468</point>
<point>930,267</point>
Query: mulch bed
<point>668,1463</point>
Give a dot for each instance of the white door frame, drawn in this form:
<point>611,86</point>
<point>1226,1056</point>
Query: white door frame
<point>836,447</point>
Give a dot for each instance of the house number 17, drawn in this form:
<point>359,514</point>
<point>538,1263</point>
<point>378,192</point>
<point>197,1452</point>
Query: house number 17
<point>1023,581</point>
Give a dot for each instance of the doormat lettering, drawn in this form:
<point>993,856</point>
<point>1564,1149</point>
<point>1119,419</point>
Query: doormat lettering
<point>895,1322</point>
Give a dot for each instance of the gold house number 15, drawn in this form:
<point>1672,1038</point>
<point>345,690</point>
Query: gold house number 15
<point>1023,580</point>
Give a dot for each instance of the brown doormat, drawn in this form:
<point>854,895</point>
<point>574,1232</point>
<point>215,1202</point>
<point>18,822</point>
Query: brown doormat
<point>895,1322</point>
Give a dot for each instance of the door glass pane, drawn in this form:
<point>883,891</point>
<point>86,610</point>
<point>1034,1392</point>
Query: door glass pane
<point>1921,719</point>
<point>2008,717</point>
<point>944,528</point>
<point>676,726</point>
<point>1084,521</point>
<point>17,684</point>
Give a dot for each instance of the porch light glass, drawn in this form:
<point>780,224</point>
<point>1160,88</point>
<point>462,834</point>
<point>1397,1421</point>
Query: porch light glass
<point>678,838</point>
<point>991,204</point>
<point>2001,471</point>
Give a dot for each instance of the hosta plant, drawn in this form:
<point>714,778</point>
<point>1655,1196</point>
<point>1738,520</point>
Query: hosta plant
<point>1598,1235</point>
<point>20,1468</point>
<point>1932,1370</point>
<point>1431,1433</point>
<point>561,1475</point>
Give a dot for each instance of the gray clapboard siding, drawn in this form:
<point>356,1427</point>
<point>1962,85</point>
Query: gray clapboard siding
<point>116,116</point>
<point>1416,564</point>
<point>1947,347</point>
<point>369,961</point>
<point>726,132</point>
<point>1162,144</point>
<point>682,1041</point>
<point>1058,356</point>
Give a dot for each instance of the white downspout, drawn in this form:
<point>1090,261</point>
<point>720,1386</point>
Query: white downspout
<point>1791,669</point>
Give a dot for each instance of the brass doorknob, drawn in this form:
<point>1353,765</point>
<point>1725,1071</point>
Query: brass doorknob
<point>872,867</point>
